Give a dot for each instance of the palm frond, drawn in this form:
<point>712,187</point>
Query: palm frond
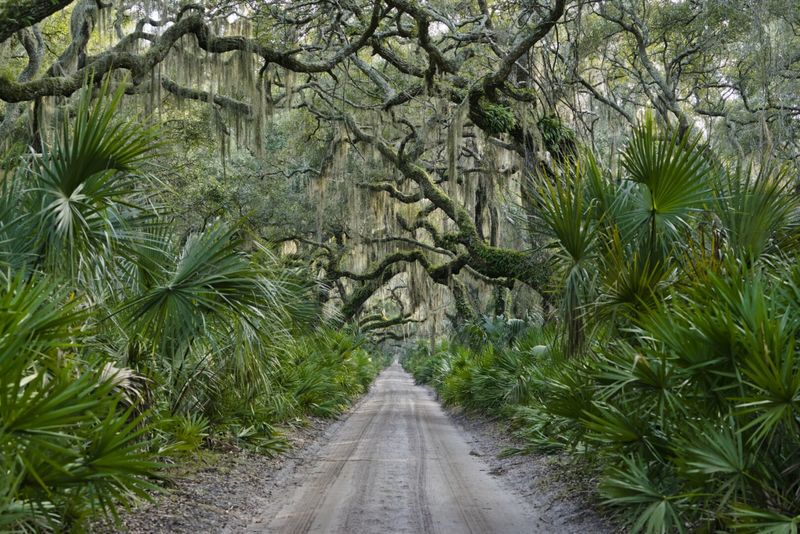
<point>673,176</point>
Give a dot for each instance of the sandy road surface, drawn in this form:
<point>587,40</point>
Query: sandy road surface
<point>396,465</point>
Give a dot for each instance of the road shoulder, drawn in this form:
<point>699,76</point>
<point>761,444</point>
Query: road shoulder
<point>561,493</point>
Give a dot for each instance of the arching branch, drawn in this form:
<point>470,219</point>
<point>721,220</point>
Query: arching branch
<point>119,58</point>
<point>32,42</point>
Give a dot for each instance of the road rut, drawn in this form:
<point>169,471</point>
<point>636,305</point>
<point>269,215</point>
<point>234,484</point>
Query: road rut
<point>397,464</point>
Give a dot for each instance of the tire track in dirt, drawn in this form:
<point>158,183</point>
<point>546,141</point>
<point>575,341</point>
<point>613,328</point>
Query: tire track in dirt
<point>420,453</point>
<point>397,464</point>
<point>312,500</point>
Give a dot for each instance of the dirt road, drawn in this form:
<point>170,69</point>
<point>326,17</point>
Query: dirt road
<point>397,464</point>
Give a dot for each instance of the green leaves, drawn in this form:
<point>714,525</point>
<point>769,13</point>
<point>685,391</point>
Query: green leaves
<point>211,311</point>
<point>634,486</point>
<point>758,211</point>
<point>752,520</point>
<point>565,213</point>
<point>773,372</point>
<point>95,143</point>
<point>94,281</point>
<point>689,391</point>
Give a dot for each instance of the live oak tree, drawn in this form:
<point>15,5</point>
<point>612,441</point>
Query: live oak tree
<point>395,140</point>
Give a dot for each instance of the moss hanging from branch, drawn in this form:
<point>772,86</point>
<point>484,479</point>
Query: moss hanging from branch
<point>455,133</point>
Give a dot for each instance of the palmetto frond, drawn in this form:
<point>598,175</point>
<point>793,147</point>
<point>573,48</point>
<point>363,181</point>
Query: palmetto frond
<point>63,437</point>
<point>567,213</point>
<point>83,184</point>
<point>673,179</point>
<point>656,508</point>
<point>209,280</point>
<point>759,212</point>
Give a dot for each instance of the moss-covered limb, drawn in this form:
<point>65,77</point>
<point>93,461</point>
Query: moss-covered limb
<point>388,323</point>
<point>406,198</point>
<point>423,18</point>
<point>465,311</point>
<point>397,62</point>
<point>443,274</point>
<point>535,34</point>
<point>378,270</point>
<point>494,262</point>
<point>354,302</point>
<point>433,192</point>
<point>409,241</point>
<point>328,254</point>
<point>447,240</point>
<point>16,15</point>
<point>317,244</point>
<point>203,96</point>
<point>519,94</point>
<point>487,110</point>
<point>443,243</point>
<point>377,78</point>
<point>427,210</point>
<point>404,96</point>
<point>33,43</point>
<point>120,58</point>
<point>388,335</point>
<point>505,282</point>
<point>439,273</point>
<point>371,318</point>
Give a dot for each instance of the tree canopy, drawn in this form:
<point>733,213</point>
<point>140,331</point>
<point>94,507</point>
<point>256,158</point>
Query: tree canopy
<point>439,116</point>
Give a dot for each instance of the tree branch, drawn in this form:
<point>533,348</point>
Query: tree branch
<point>119,58</point>
<point>16,15</point>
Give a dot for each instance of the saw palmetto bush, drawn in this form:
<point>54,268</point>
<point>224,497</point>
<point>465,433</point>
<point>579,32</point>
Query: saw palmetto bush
<point>208,317</point>
<point>321,374</point>
<point>490,366</point>
<point>715,379</point>
<point>69,443</point>
<point>690,397</point>
<point>73,440</point>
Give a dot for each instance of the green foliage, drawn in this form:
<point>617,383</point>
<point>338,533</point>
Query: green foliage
<point>759,212</point>
<point>82,199</point>
<point>494,370</point>
<point>67,446</point>
<point>563,214</point>
<point>185,432</point>
<point>672,177</point>
<point>322,374</point>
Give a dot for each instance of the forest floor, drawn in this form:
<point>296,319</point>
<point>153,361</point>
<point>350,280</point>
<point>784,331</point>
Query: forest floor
<point>396,463</point>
